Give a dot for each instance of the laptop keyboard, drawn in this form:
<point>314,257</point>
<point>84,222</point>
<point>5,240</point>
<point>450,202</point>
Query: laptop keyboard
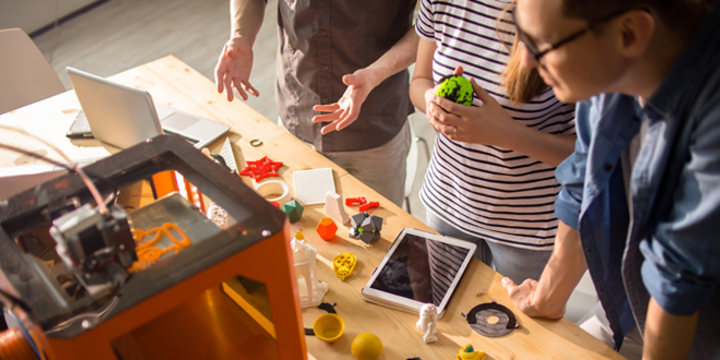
<point>178,122</point>
<point>189,139</point>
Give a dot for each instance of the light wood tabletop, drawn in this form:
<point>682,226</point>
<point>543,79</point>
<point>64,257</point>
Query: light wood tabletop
<point>173,83</point>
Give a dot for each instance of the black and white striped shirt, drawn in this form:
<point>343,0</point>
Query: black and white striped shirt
<point>485,191</point>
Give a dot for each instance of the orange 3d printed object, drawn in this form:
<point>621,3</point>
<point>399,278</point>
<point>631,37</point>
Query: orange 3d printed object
<point>148,253</point>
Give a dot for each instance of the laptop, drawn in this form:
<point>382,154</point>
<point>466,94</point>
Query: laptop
<point>124,116</point>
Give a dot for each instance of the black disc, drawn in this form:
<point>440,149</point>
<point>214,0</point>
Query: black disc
<point>477,318</point>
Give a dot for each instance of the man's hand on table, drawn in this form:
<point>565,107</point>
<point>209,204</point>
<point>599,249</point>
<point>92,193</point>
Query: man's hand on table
<point>232,71</point>
<point>525,298</point>
<point>344,112</point>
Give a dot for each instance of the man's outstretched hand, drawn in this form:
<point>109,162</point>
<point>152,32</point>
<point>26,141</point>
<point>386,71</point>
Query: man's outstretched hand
<point>344,112</point>
<point>233,68</point>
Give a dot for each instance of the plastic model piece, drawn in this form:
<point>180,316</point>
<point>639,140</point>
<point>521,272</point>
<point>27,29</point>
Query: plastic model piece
<point>327,229</point>
<point>366,228</point>
<point>455,88</point>
<point>279,189</point>
<point>293,209</point>
<point>261,169</point>
<point>366,346</point>
<point>370,205</point>
<point>344,264</point>
<point>334,207</point>
<point>329,327</point>
<point>469,353</point>
<point>311,186</point>
<point>355,201</point>
<point>311,289</point>
<point>428,322</point>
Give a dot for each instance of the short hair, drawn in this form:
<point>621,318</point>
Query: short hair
<point>679,15</point>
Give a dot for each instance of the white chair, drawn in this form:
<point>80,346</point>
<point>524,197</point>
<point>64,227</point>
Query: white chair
<point>582,299</point>
<point>26,75</point>
<point>411,166</point>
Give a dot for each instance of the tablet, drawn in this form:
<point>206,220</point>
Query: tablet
<point>419,268</point>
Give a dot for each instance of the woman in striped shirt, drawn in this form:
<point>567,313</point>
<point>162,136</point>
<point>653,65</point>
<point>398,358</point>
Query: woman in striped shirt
<point>491,178</point>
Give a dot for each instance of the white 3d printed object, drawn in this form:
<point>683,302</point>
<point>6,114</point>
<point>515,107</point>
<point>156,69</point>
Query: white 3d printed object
<point>311,289</point>
<point>311,186</point>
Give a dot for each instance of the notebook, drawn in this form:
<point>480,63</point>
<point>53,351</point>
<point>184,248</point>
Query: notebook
<point>124,116</point>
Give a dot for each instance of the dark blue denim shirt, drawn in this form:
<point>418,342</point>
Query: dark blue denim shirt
<point>667,245</point>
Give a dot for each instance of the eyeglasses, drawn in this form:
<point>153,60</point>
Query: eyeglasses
<point>538,54</point>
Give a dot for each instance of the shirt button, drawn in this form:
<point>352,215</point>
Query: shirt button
<point>325,100</point>
<point>324,67</point>
<point>323,32</point>
<point>607,167</point>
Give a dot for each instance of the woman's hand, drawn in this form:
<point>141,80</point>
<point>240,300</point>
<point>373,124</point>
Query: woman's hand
<point>488,124</point>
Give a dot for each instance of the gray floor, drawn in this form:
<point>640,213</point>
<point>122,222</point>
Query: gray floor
<point>121,34</point>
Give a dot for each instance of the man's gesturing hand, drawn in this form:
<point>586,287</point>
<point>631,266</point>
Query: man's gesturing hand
<point>232,71</point>
<point>342,113</point>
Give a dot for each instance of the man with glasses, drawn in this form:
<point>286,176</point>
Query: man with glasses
<point>640,204</point>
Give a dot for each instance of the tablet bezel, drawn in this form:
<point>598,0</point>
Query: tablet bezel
<point>402,303</point>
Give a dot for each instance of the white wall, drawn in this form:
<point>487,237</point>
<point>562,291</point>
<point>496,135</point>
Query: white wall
<point>31,15</point>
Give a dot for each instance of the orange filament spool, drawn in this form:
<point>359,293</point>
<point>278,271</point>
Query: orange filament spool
<point>13,346</point>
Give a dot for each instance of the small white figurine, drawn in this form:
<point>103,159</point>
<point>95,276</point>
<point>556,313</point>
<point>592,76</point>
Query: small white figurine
<point>334,207</point>
<point>311,289</point>
<point>428,322</point>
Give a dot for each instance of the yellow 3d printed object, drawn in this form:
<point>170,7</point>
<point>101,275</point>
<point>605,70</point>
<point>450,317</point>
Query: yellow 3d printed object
<point>344,264</point>
<point>468,353</point>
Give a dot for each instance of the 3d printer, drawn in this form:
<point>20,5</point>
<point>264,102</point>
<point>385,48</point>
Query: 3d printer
<point>73,286</point>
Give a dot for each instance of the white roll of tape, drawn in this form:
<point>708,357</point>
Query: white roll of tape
<point>270,187</point>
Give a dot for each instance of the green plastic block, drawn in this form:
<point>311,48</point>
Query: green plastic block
<point>294,210</point>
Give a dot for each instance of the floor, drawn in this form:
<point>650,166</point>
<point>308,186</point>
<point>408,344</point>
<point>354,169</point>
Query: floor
<point>120,34</point>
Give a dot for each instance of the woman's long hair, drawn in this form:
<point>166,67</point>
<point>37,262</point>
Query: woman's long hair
<point>520,83</point>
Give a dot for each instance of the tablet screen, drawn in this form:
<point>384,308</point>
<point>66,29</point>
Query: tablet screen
<point>421,269</point>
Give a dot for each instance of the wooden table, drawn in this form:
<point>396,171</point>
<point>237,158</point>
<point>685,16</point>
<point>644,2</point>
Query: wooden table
<point>173,83</point>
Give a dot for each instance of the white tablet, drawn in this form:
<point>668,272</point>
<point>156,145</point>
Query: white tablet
<point>419,268</point>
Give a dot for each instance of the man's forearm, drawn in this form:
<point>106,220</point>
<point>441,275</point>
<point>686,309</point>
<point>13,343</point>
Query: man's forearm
<point>668,336</point>
<point>246,17</point>
<point>398,58</point>
<point>561,275</point>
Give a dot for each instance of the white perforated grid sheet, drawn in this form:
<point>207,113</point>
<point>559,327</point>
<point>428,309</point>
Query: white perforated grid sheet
<point>311,186</point>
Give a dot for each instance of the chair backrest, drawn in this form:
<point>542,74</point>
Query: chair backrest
<point>411,163</point>
<point>25,74</point>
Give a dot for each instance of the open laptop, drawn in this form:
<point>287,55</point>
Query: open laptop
<point>124,116</point>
